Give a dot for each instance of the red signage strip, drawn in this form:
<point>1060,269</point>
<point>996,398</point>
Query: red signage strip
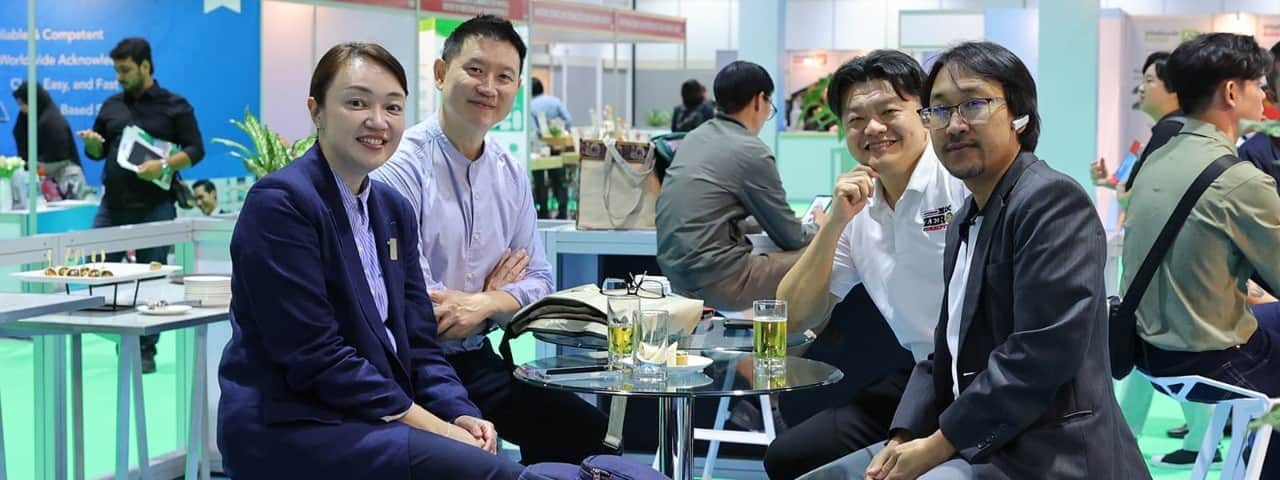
<point>572,15</point>
<point>508,9</point>
<point>405,4</point>
<point>650,25</point>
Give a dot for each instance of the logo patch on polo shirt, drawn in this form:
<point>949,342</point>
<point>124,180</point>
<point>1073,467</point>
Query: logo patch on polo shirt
<point>937,218</point>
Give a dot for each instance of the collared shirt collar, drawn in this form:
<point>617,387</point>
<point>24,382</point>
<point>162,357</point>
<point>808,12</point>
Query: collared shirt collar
<point>453,156</point>
<point>1208,130</point>
<point>921,177</point>
<point>349,199</point>
<point>724,116</point>
<point>149,92</point>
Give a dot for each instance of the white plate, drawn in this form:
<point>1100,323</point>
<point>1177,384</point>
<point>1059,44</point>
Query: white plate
<point>165,310</point>
<point>697,363</point>
<point>207,279</point>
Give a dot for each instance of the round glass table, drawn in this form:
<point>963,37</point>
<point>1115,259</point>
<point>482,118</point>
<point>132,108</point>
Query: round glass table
<point>730,374</point>
<point>708,336</point>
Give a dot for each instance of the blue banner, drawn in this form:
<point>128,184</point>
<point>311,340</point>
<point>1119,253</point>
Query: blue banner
<point>208,51</point>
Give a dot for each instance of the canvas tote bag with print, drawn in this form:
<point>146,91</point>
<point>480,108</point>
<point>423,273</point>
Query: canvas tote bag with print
<point>617,186</point>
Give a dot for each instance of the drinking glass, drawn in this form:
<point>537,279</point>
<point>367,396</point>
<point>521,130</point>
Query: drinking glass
<point>653,346</point>
<point>623,312</point>
<point>769,333</point>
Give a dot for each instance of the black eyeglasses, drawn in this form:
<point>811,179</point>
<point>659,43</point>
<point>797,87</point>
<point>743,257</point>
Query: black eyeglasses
<point>634,285</point>
<point>974,111</point>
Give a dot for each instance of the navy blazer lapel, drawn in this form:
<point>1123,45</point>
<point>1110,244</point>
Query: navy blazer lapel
<point>327,185</point>
<point>385,233</point>
<point>992,214</point>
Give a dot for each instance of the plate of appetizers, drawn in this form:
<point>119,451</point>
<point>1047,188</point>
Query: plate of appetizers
<point>93,270</point>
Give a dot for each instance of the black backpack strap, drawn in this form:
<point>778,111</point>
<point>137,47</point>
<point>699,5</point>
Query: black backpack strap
<point>504,348</point>
<point>1170,231</point>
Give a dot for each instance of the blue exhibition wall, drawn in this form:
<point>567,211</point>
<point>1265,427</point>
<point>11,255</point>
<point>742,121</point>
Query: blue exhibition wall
<point>208,51</point>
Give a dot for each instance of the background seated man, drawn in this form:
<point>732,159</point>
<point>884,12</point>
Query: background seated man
<point>1195,316</point>
<point>722,174</point>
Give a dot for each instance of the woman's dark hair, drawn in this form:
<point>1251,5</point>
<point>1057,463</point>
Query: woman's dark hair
<point>691,93</point>
<point>43,100</point>
<point>897,68</point>
<point>537,88</point>
<point>1198,66</point>
<point>1160,60</point>
<point>483,26</point>
<point>136,49</point>
<point>738,83</point>
<point>995,63</point>
<point>339,55</point>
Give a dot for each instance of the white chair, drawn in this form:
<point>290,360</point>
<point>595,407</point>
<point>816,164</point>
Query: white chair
<point>717,432</point>
<point>1249,406</point>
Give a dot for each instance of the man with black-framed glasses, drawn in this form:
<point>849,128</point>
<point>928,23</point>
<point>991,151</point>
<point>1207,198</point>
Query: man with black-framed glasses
<point>1018,383</point>
<point>723,174</point>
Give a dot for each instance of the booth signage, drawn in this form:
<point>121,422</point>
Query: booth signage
<point>637,23</point>
<point>572,15</point>
<point>509,9</point>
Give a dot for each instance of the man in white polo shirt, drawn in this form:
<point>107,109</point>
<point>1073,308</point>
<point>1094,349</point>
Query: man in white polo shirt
<point>886,230</point>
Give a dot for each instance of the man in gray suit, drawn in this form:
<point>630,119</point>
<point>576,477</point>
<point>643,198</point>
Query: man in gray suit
<point>1018,383</point>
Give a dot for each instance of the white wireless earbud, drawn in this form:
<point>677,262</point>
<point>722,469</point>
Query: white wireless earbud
<point>1020,122</point>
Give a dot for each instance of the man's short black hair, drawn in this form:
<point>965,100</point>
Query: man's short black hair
<point>1198,66</point>
<point>491,27</point>
<point>136,49</point>
<point>537,87</point>
<point>1160,60</point>
<point>205,184</point>
<point>897,68</point>
<point>738,83</point>
<point>995,63</point>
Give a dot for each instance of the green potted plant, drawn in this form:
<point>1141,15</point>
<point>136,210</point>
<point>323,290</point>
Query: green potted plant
<point>270,151</point>
<point>659,118</point>
<point>814,108</point>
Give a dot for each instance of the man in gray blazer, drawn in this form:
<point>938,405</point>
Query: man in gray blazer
<point>1018,385</point>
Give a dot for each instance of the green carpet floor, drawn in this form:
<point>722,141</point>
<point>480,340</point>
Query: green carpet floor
<point>161,401</point>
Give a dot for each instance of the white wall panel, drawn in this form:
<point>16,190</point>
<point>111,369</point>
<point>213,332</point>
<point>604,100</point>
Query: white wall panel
<point>862,25</point>
<point>287,61</point>
<point>810,24</point>
<point>394,30</point>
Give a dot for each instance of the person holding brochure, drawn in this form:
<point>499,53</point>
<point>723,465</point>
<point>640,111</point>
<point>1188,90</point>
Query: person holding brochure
<point>132,196</point>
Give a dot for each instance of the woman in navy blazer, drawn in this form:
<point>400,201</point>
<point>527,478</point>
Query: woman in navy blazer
<point>333,370</point>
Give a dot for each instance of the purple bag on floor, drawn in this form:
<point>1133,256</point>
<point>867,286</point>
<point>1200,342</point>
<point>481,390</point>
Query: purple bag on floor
<point>598,467</point>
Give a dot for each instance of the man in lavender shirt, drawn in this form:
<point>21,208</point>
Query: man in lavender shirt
<point>481,255</point>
